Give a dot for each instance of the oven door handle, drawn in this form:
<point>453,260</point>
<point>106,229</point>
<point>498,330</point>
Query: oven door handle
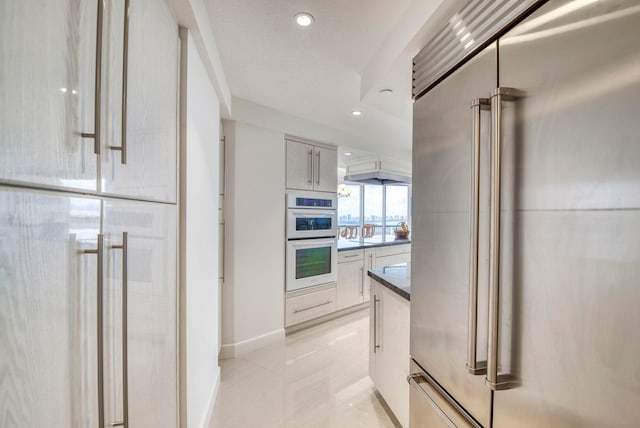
<point>307,243</point>
<point>313,214</point>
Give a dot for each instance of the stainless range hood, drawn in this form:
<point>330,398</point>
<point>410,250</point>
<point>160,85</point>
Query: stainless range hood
<point>378,171</point>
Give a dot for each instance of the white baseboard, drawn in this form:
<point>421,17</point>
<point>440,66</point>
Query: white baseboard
<point>239,349</point>
<point>206,423</point>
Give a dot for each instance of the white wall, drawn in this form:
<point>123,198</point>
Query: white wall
<point>253,290</point>
<point>200,119</point>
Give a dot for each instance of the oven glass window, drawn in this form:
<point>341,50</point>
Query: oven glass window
<point>313,223</point>
<point>313,262</point>
<point>312,202</point>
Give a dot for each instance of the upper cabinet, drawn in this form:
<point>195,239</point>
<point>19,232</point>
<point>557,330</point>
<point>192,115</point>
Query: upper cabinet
<point>140,132</point>
<point>311,167</point>
<point>82,86</point>
<point>47,82</point>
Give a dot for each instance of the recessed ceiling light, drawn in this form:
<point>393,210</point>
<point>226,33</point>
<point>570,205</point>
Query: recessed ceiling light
<point>304,19</point>
<point>356,112</point>
<point>347,153</point>
<point>386,91</point>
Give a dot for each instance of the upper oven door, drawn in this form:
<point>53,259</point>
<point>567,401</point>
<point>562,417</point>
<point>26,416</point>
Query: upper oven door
<point>303,223</point>
<point>312,200</point>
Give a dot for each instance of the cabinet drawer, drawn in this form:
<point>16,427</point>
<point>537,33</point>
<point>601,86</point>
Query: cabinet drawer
<point>350,256</point>
<point>392,250</point>
<point>309,306</point>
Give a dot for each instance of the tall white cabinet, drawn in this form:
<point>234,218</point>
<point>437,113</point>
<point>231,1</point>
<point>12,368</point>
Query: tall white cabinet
<point>88,216</point>
<point>47,82</point>
<point>90,110</point>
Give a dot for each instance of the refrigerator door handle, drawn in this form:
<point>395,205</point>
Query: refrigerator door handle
<point>493,380</point>
<point>125,360</point>
<point>474,366</point>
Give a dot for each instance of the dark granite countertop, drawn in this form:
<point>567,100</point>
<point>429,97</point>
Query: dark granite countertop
<point>346,245</point>
<point>396,278</point>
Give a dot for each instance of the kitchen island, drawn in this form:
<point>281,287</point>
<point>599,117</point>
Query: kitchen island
<point>389,336</point>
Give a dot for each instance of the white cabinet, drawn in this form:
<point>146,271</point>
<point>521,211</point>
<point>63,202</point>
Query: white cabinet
<point>304,306</point>
<point>326,169</point>
<point>353,265</point>
<point>150,107</point>
<point>350,279</point>
<point>49,83</point>
<point>48,309</point>
<point>55,323</point>
<point>151,314</point>
<point>386,256</point>
<point>389,349</point>
<point>311,167</point>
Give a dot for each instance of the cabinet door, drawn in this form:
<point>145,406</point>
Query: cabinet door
<point>392,260</point>
<point>325,169</point>
<point>151,102</point>
<point>151,358</point>
<point>299,166</point>
<point>47,82</point>
<point>48,307</point>
<point>350,284</point>
<point>392,356</point>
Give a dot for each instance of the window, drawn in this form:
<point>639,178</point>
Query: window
<point>397,208</point>
<point>373,211</point>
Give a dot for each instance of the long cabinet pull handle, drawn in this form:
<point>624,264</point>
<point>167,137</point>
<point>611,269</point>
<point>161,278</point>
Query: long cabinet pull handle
<point>362,281</point>
<point>473,366</point>
<point>125,355</point>
<point>97,84</point>
<point>376,346</point>
<point>493,380</point>
<point>318,169</point>
<point>312,307</point>
<point>99,251</point>
<point>442,393</point>
<point>125,68</point>
<point>310,166</point>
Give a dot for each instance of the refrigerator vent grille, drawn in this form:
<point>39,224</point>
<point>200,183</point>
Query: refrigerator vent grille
<point>467,32</point>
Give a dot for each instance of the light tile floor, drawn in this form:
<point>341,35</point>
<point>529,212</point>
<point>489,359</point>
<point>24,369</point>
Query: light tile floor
<point>314,378</point>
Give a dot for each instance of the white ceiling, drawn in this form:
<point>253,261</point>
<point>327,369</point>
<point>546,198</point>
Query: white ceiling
<point>322,73</point>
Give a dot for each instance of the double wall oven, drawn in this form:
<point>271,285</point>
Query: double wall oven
<point>311,239</point>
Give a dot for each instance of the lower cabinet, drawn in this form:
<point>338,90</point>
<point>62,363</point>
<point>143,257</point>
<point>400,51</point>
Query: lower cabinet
<point>353,265</point>
<point>88,334</point>
<point>389,348</point>
<point>351,275</point>
<point>303,306</point>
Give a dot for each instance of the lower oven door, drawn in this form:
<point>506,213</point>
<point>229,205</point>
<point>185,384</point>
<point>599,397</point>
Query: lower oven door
<point>311,262</point>
<point>305,223</point>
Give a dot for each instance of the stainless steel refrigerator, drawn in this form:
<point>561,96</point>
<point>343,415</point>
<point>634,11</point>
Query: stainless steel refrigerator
<point>525,299</point>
